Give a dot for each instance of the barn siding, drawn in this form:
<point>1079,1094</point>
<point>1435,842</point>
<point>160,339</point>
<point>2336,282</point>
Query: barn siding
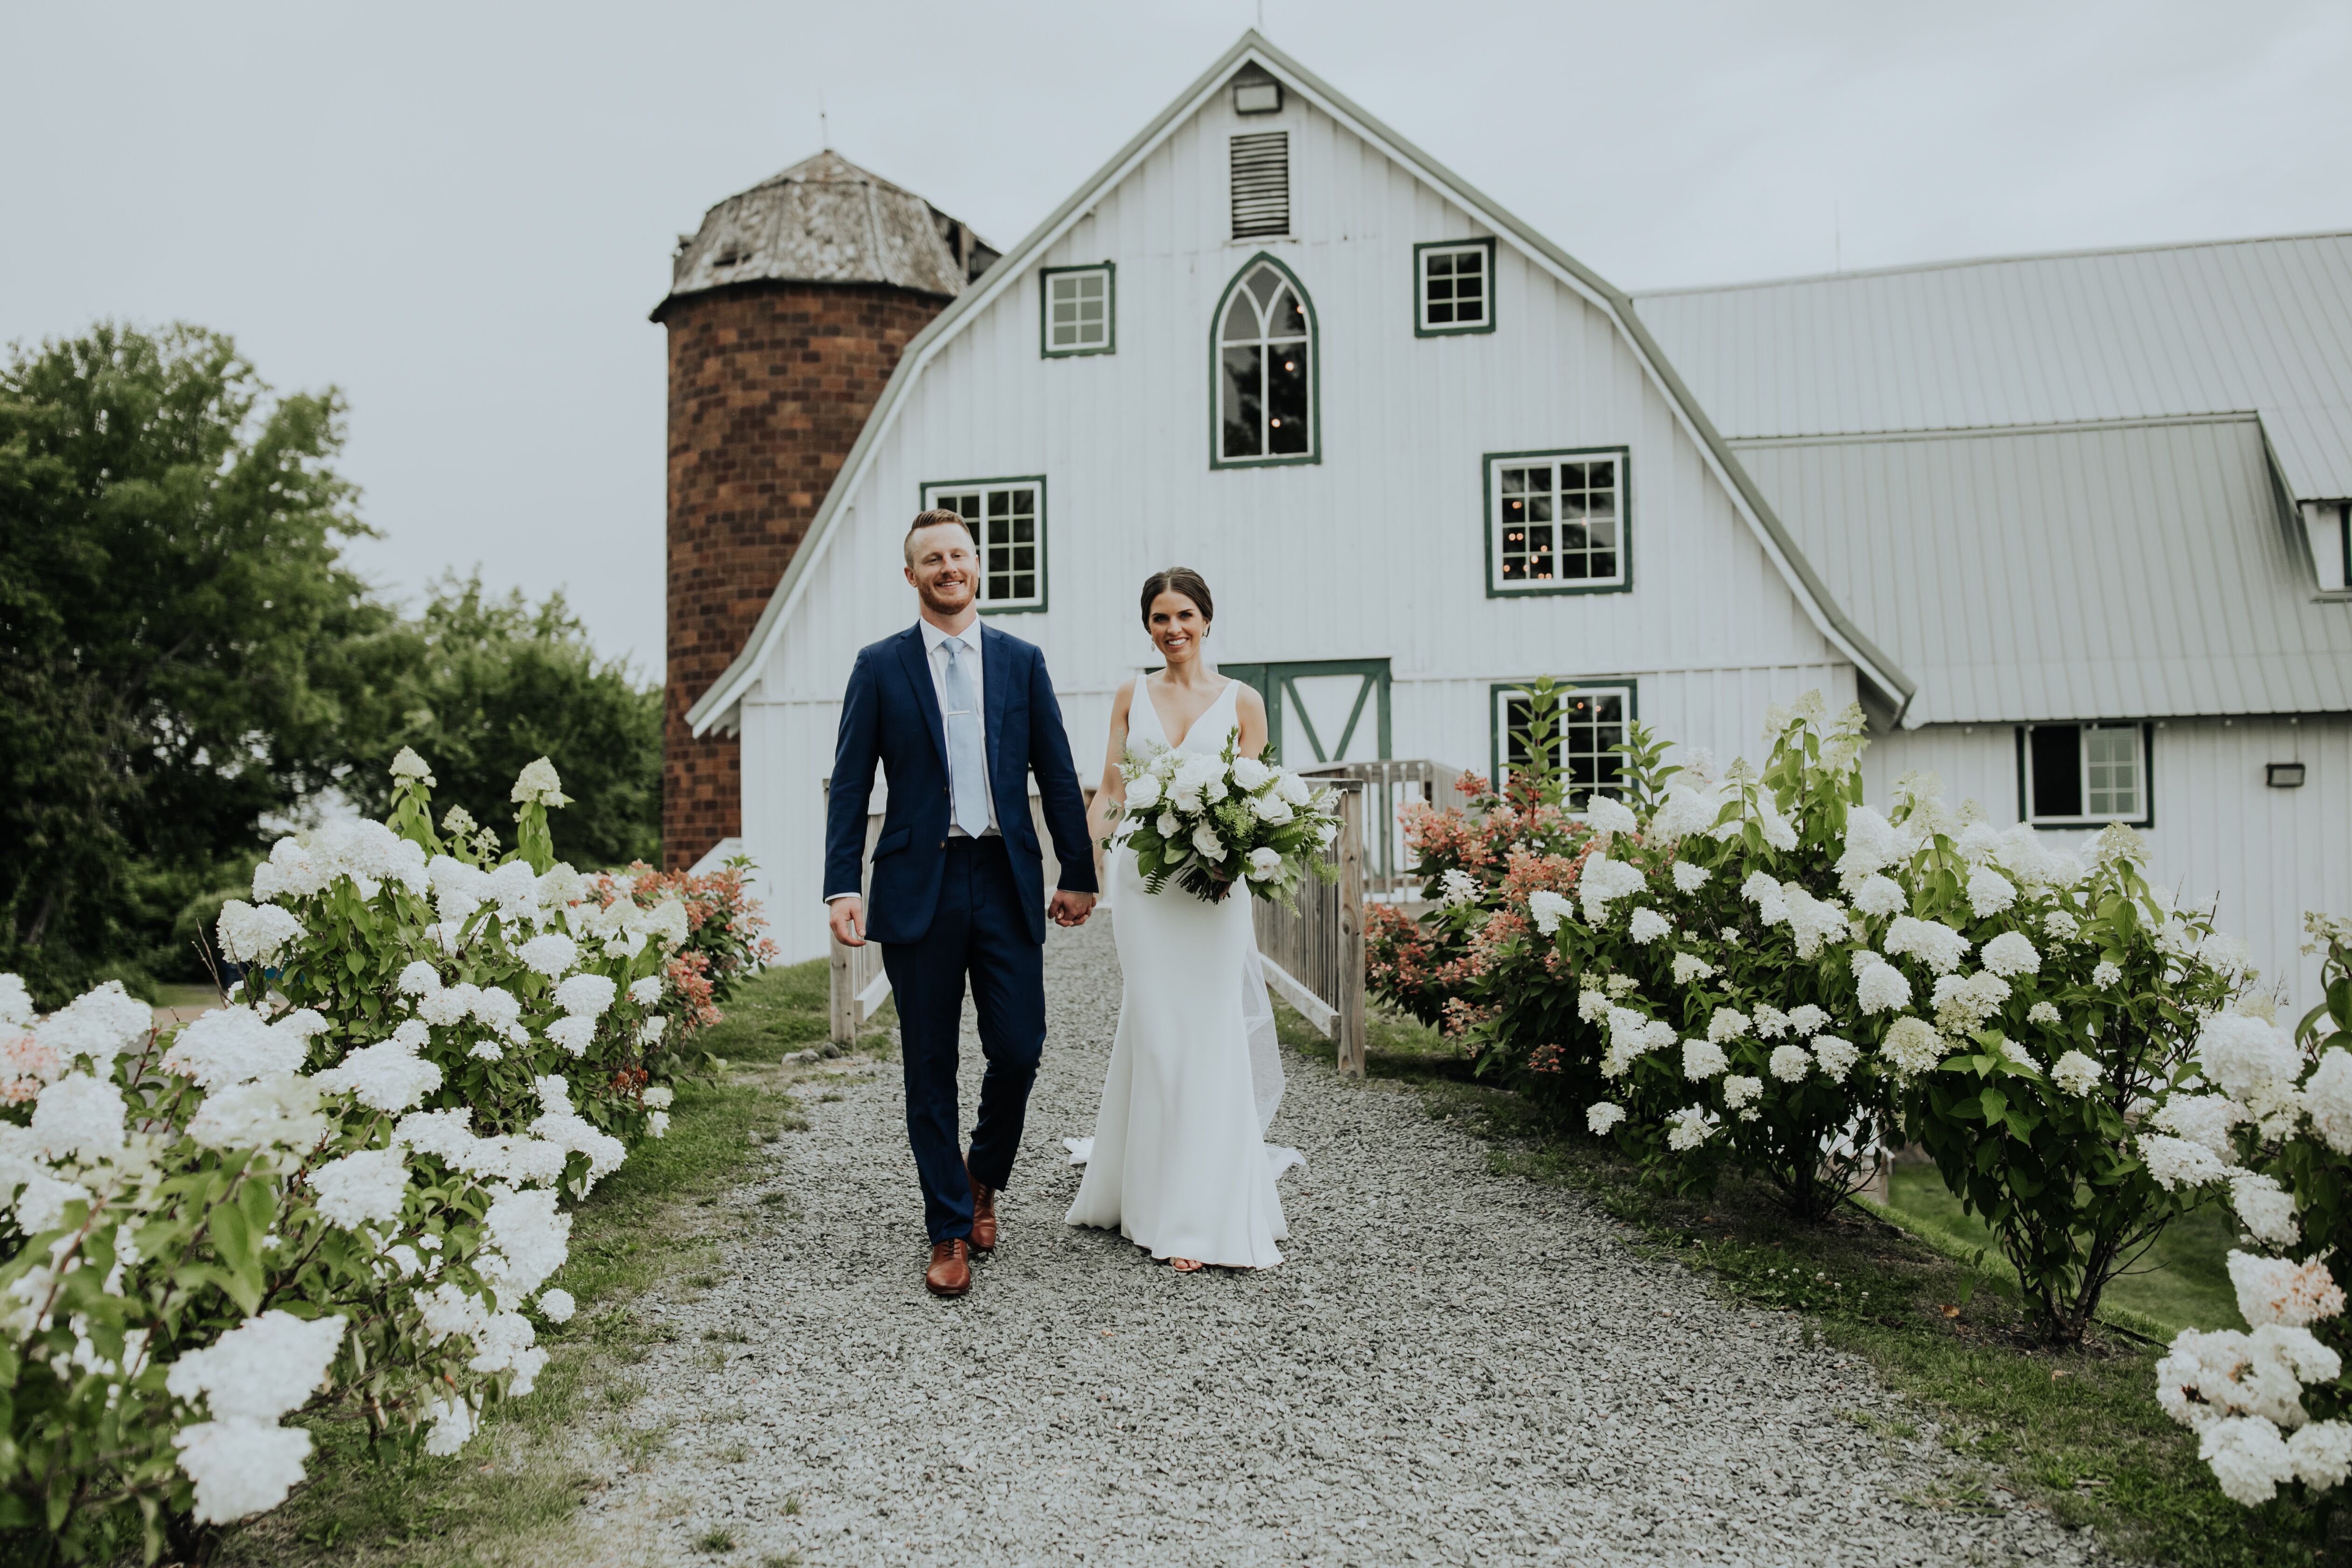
<point>2267,855</point>
<point>1377,552</point>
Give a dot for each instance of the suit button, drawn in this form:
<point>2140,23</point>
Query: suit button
<point>943,843</point>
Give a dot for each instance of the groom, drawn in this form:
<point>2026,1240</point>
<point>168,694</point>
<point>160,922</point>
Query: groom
<point>959,714</point>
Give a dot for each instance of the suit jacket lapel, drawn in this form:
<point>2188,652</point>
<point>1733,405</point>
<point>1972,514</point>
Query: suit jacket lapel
<point>995,692</point>
<point>926,696</point>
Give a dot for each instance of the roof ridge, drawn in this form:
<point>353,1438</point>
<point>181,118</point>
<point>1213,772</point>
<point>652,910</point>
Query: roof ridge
<point>1967,432</point>
<point>1640,294</point>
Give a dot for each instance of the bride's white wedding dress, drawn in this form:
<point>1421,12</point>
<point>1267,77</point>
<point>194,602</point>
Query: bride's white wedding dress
<point>1177,1162</point>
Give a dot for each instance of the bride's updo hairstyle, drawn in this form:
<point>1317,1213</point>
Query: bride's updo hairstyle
<point>1178,580</point>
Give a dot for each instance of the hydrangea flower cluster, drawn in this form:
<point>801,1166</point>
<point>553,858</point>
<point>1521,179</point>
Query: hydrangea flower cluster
<point>408,1162</point>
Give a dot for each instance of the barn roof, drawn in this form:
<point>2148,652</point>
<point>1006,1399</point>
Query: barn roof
<point>825,220</point>
<point>2057,487</point>
<point>1877,670</point>
<point>2123,570</point>
<point>2253,326</point>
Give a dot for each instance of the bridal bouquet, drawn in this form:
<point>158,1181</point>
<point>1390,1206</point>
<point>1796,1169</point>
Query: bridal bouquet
<point>1212,823</point>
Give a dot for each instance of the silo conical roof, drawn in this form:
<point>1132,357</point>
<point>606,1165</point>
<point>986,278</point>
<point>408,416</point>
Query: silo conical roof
<point>825,220</point>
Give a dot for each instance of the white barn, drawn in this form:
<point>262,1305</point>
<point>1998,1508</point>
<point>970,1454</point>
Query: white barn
<point>1423,457</point>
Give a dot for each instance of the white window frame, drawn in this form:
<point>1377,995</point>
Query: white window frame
<point>1499,719</point>
<point>1484,250</point>
<point>950,494</point>
<point>1502,521</point>
<point>1268,339</point>
<point>1051,280</point>
<point>2142,811</point>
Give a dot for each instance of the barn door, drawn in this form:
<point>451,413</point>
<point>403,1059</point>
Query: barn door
<point>1322,711</point>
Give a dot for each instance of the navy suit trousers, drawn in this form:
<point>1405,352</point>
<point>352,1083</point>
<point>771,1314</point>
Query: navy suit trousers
<point>980,930</point>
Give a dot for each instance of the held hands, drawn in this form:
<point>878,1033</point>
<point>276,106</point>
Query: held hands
<point>1069,909</point>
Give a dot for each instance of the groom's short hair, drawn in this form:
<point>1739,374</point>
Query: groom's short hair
<point>932,519</point>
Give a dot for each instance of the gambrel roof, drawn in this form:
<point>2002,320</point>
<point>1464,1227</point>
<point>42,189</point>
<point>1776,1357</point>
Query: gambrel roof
<point>716,706</point>
<point>2058,487</point>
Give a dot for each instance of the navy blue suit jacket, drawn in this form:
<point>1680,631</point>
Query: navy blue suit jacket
<point>891,715</point>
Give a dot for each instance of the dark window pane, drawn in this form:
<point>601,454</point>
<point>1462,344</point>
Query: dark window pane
<point>1285,391</point>
<point>1604,562</point>
<point>1604,533</point>
<point>1243,414</point>
<point>1515,481</point>
<point>1539,509</point>
<point>1571,476</point>
<point>1440,314</point>
<point>1263,282</point>
<point>1440,266</point>
<point>2056,767</point>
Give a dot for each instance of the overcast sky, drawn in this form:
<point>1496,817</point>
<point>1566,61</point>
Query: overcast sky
<point>460,215</point>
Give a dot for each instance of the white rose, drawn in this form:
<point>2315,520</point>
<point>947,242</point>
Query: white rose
<point>1169,825</point>
<point>1292,788</point>
<point>1264,863</point>
<point>1272,808</point>
<point>1143,793</point>
<point>1252,774</point>
<point>1206,840</point>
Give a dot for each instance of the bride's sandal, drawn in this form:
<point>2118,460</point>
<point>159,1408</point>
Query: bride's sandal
<point>1185,1265</point>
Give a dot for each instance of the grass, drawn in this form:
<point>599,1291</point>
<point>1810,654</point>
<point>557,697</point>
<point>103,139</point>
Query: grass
<point>2076,1433</point>
<point>511,1496</point>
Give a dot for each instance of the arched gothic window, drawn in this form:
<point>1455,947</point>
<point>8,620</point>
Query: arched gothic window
<point>1263,344</point>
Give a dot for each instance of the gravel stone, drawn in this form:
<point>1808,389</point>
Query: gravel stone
<point>1450,1366</point>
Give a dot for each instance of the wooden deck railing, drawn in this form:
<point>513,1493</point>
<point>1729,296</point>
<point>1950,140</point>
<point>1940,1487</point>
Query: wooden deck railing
<point>1314,953</point>
<point>1390,786</point>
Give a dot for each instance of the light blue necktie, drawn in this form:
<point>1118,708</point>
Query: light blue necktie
<point>965,770</point>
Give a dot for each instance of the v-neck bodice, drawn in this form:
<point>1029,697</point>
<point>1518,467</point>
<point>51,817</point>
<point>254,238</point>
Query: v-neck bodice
<point>1157,734</point>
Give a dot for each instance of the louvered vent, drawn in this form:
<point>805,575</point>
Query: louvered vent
<point>1262,185</point>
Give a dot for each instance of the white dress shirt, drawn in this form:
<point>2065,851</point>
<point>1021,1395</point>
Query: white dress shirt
<point>935,643</point>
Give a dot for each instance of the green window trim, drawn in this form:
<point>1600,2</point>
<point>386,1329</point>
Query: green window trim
<point>2147,818</point>
<point>1110,345</point>
<point>1421,323</point>
<point>1500,690</point>
<point>1314,453</point>
<point>1623,582</point>
<point>1037,603</point>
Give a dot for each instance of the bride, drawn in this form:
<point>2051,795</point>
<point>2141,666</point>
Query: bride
<point>1177,1162</point>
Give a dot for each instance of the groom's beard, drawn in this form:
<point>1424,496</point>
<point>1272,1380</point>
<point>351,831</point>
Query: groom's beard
<point>935,600</point>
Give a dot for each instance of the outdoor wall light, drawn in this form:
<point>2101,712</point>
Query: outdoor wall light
<point>2283,775</point>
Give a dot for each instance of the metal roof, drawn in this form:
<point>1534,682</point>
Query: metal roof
<point>2260,326</point>
<point>2132,570</point>
<point>1820,607</point>
<point>825,220</point>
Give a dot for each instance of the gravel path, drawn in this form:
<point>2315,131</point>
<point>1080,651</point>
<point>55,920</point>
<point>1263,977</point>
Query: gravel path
<point>1449,1367</point>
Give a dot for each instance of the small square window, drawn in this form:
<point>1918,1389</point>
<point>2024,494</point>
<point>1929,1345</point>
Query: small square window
<point>1453,288</point>
<point>2084,774</point>
<point>1079,311</point>
<point>1557,522</point>
<point>1588,727</point>
<point>1007,520</point>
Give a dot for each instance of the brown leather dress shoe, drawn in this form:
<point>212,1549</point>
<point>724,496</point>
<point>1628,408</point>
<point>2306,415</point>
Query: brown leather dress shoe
<point>983,1212</point>
<point>951,1271</point>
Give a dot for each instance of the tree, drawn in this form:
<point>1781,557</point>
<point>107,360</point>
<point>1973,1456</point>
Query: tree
<point>174,608</point>
<point>480,686</point>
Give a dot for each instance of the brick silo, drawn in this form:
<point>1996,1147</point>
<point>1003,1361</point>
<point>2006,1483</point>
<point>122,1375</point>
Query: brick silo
<point>787,312</point>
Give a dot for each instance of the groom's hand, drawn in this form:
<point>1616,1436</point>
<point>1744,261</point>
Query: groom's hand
<point>846,915</point>
<point>1069,909</point>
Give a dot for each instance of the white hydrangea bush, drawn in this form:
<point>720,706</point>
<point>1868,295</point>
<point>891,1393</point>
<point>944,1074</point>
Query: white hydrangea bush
<point>2271,1123</point>
<point>2048,1008</point>
<point>1739,1045</point>
<point>346,1185</point>
<point>1763,973</point>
